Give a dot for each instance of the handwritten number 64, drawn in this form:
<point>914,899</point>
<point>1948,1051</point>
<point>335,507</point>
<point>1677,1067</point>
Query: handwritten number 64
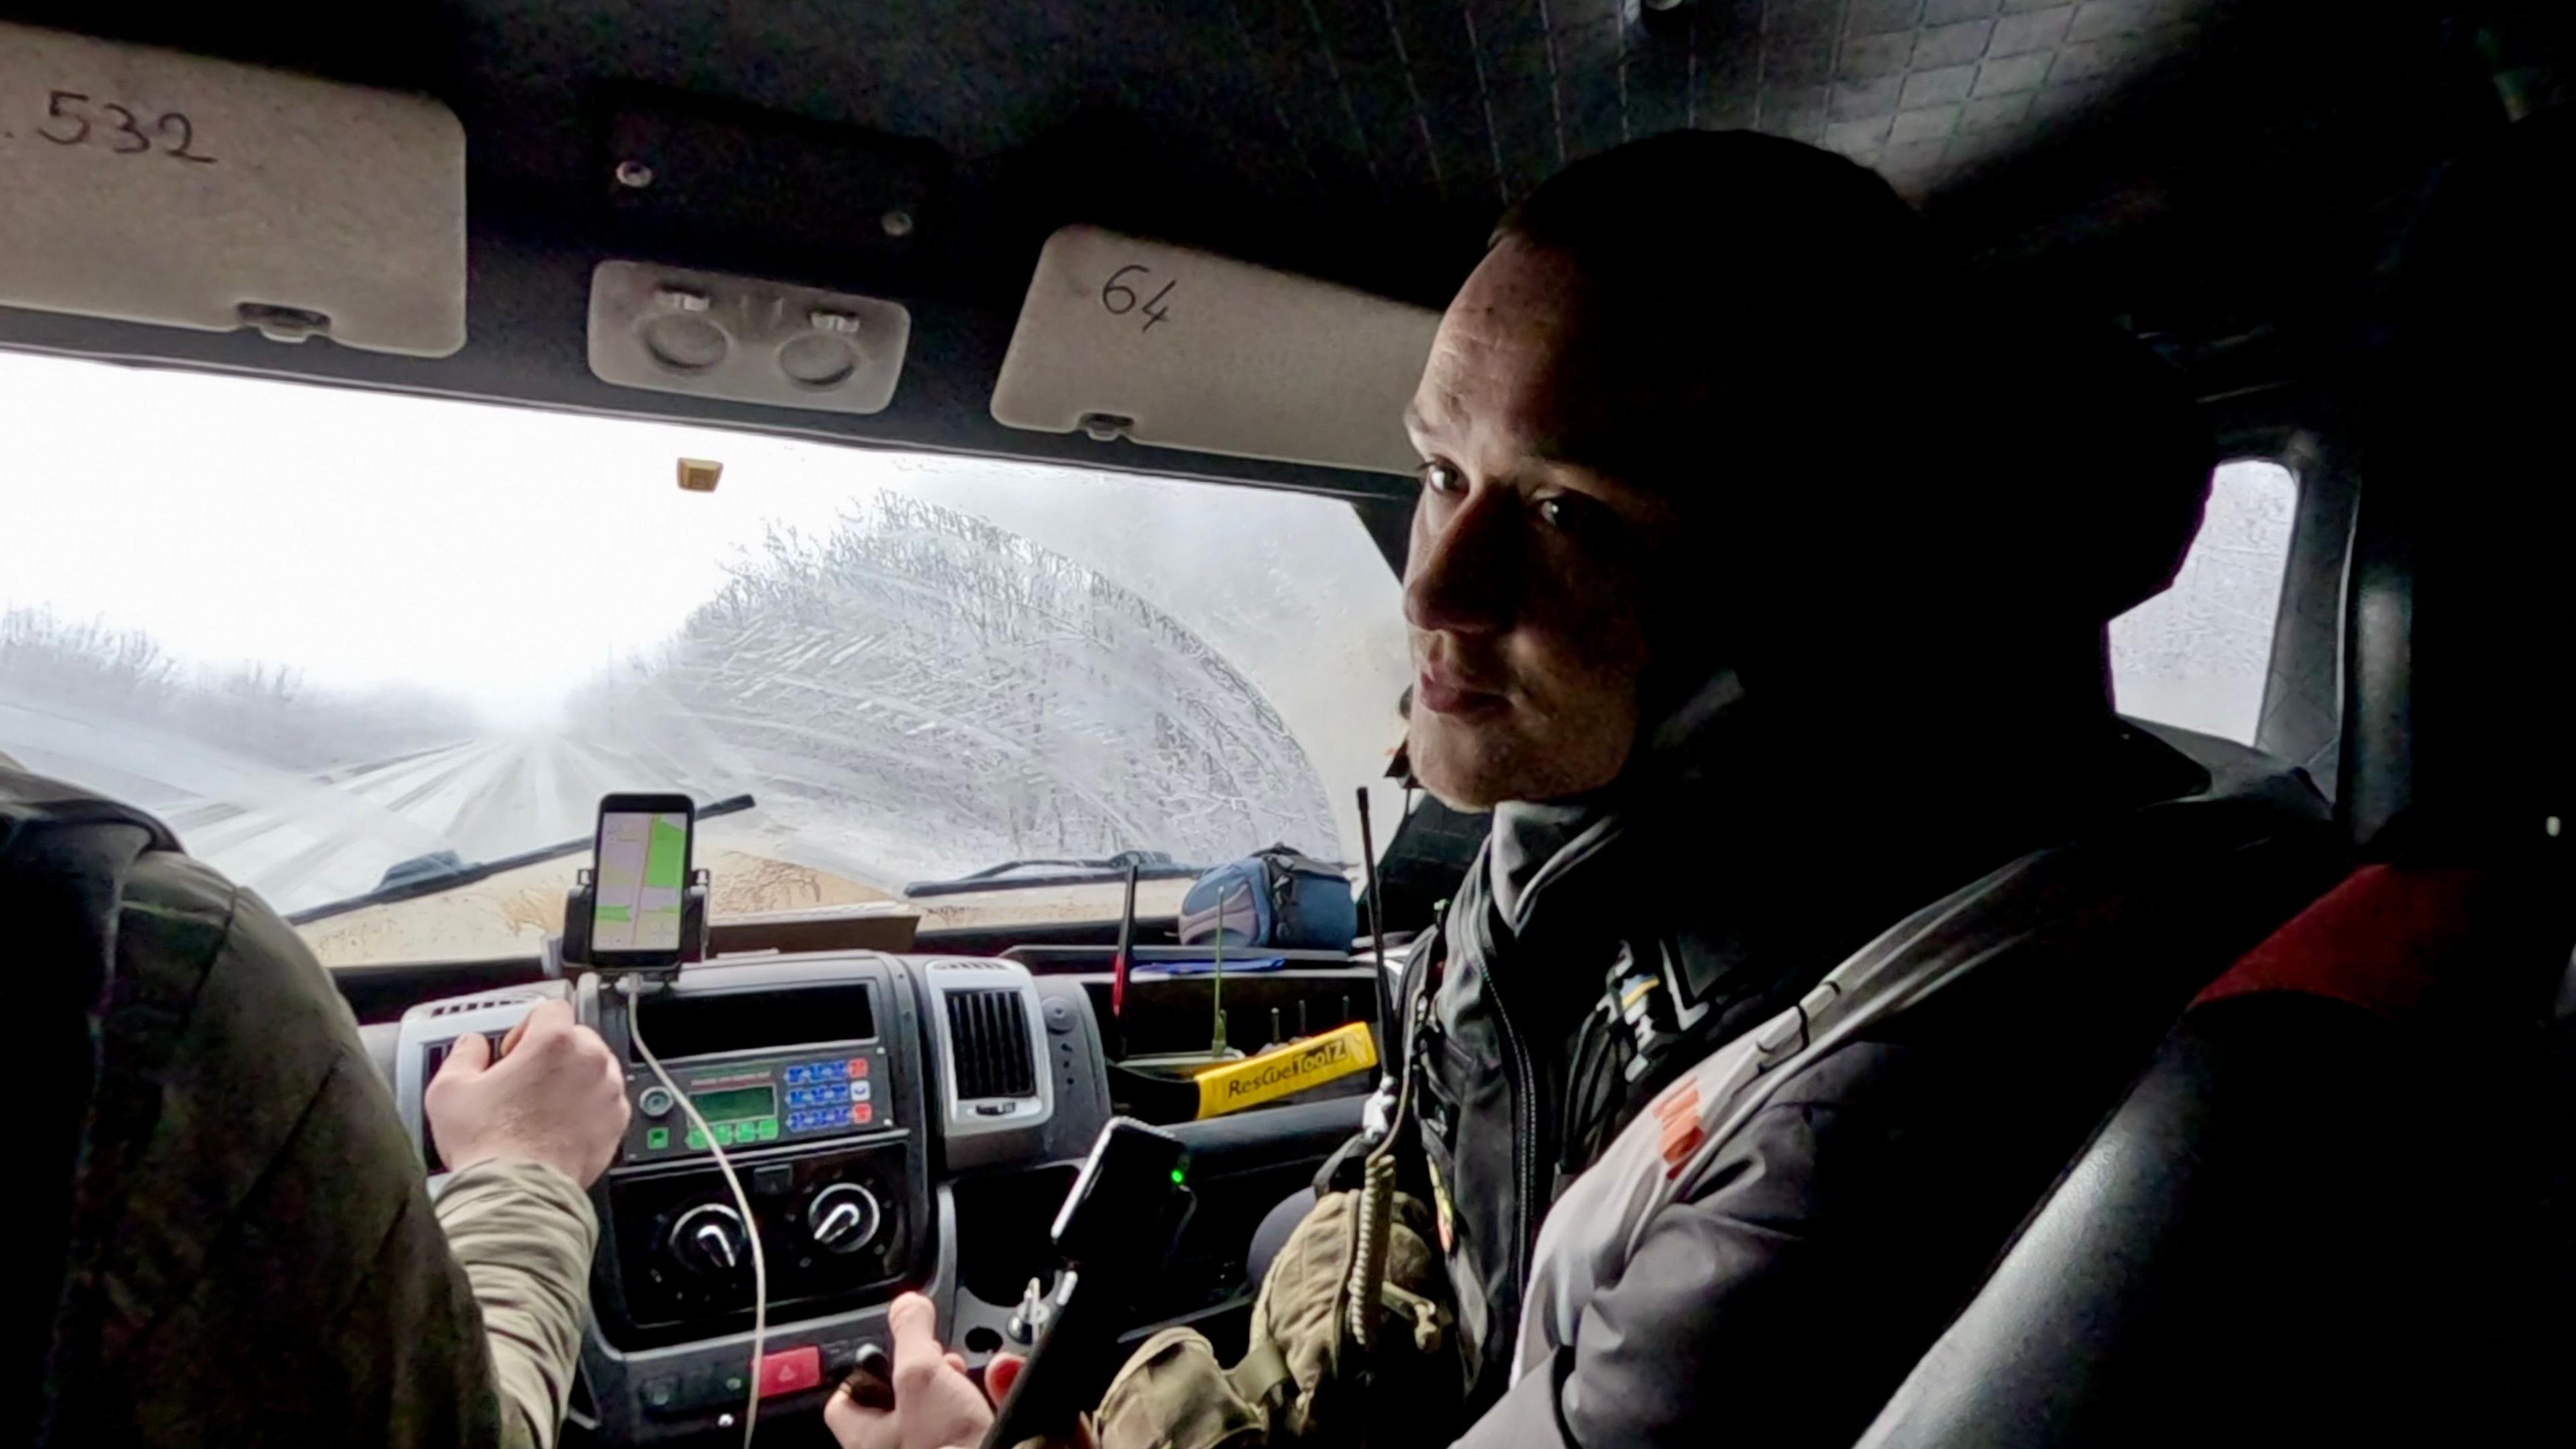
<point>1118,299</point>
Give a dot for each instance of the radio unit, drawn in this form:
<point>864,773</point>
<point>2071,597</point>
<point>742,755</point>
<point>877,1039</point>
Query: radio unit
<point>809,1095</point>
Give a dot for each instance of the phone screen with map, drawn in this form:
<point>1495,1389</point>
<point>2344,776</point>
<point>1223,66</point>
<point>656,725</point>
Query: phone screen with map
<point>642,872</point>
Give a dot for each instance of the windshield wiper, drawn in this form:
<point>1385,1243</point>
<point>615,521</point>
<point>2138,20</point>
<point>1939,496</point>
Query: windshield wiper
<point>1010,874</point>
<point>441,870</point>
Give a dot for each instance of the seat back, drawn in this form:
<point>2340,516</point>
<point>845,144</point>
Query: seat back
<point>2312,1220</point>
<point>63,861</point>
<point>2335,1209</point>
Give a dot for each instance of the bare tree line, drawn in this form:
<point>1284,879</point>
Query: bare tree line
<point>983,696</point>
<point>87,670</point>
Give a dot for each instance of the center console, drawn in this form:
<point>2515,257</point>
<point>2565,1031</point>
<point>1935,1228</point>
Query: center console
<point>849,1091</point>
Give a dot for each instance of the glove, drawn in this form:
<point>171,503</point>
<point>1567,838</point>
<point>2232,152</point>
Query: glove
<point>1298,1382</point>
<point>1173,1395</point>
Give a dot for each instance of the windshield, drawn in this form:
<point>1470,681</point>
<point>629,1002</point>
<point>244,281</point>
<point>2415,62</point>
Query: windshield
<point>325,633</point>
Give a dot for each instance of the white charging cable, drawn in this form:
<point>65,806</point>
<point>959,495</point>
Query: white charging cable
<point>741,1200</point>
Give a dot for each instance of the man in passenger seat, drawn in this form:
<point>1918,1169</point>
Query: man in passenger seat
<point>1758,586</point>
<point>253,1258</point>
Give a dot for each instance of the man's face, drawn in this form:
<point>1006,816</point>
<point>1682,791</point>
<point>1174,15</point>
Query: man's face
<point>1526,587</point>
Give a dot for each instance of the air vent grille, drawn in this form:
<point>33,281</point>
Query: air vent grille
<point>988,1035</point>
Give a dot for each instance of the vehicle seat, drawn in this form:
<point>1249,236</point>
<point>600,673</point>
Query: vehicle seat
<point>63,862</point>
<point>2335,1209</point>
<point>2311,1221</point>
<point>229,1240</point>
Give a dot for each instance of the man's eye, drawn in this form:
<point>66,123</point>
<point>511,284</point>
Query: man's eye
<point>1440,477</point>
<point>1570,514</point>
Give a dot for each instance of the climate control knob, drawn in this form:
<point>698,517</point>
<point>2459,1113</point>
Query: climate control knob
<point>842,1217</point>
<point>709,1241</point>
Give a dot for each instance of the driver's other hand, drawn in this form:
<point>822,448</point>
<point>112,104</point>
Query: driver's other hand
<point>556,1095</point>
<point>936,1406</point>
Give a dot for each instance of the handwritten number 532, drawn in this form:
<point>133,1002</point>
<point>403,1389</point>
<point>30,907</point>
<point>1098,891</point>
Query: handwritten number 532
<point>71,119</point>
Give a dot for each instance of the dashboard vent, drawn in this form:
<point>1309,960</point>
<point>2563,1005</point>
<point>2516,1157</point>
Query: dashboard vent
<point>988,1033</point>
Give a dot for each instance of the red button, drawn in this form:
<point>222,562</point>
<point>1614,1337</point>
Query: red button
<point>790,1372</point>
<point>858,1066</point>
<point>863,1114</point>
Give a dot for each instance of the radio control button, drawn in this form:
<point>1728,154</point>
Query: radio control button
<point>654,1102</point>
<point>656,1138</point>
<point>858,1066</point>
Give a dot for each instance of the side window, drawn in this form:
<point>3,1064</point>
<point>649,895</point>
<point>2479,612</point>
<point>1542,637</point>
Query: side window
<point>2197,655</point>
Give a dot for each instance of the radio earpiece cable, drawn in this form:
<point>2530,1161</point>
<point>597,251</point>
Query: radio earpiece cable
<point>742,1203</point>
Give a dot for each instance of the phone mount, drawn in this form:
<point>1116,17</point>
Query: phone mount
<point>570,952</point>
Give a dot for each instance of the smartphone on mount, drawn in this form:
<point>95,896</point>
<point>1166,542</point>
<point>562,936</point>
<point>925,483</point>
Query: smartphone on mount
<point>640,864</point>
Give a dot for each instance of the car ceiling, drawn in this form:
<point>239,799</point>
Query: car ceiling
<point>2221,175</point>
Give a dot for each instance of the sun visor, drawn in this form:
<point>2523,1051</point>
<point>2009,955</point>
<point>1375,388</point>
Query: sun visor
<point>152,186</point>
<point>1181,349</point>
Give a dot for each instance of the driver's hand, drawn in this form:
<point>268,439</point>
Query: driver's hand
<point>556,1096</point>
<point>936,1406</point>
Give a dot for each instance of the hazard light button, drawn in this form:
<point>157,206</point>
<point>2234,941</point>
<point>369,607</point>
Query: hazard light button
<point>790,1372</point>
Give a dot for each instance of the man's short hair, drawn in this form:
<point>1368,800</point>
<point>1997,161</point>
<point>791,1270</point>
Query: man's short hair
<point>1859,385</point>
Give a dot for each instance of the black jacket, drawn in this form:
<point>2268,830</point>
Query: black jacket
<point>1790,1291</point>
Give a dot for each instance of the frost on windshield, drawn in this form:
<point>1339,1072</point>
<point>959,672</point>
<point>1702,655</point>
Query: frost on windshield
<point>921,693</point>
<point>915,693</point>
<point>326,633</point>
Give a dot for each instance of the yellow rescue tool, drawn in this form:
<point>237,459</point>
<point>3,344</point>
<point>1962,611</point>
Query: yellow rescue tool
<point>1286,1070</point>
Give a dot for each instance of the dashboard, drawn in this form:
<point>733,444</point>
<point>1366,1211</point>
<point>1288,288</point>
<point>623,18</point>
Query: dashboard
<point>869,1103</point>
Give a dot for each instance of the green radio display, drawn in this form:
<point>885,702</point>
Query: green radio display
<point>736,1104</point>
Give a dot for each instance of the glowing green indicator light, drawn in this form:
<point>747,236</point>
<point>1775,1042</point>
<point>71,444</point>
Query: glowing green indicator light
<point>1176,1174</point>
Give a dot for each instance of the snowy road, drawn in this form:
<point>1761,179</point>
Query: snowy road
<point>301,840</point>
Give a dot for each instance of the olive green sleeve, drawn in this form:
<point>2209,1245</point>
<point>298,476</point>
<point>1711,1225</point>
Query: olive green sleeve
<point>524,1234</point>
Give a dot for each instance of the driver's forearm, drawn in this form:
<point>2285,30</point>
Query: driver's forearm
<point>524,1233</point>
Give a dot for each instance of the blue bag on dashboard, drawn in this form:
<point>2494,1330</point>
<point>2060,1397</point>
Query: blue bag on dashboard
<point>1276,898</point>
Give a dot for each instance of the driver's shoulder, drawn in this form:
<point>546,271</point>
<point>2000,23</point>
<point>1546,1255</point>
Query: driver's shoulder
<point>207,973</point>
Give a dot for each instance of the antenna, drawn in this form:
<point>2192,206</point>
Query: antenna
<point>1377,923</point>
<point>1126,942</point>
<point>1216,983</point>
